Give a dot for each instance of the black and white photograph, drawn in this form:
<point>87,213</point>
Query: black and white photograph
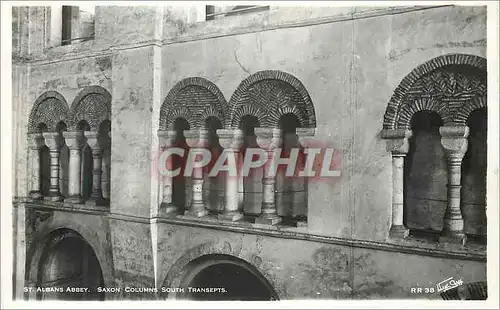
<point>170,153</point>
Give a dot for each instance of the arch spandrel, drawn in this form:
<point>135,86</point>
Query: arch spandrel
<point>268,95</point>
<point>50,109</point>
<point>449,85</point>
<point>92,105</point>
<point>192,98</point>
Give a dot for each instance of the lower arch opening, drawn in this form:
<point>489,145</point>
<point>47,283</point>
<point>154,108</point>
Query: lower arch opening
<point>224,277</point>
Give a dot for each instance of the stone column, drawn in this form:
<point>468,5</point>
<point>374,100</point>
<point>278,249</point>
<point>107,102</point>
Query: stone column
<point>35,142</point>
<point>74,141</point>
<point>197,138</point>
<point>454,141</point>
<point>269,139</point>
<point>54,142</point>
<point>398,145</point>
<point>95,146</point>
<point>232,141</point>
<point>167,139</point>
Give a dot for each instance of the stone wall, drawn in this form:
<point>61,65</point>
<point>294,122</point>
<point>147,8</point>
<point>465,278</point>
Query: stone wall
<point>317,270</point>
<point>356,66</point>
<point>350,61</point>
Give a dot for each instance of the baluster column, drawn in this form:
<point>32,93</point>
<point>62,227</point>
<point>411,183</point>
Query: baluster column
<point>232,141</point>
<point>197,139</point>
<point>167,139</point>
<point>74,141</point>
<point>94,143</point>
<point>398,145</point>
<point>54,142</point>
<point>269,139</point>
<point>35,142</point>
<point>454,141</point>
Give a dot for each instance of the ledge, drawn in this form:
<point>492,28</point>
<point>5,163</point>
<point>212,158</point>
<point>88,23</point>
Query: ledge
<point>302,234</point>
<point>409,246</point>
<point>62,206</point>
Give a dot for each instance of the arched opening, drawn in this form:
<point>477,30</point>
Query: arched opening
<point>474,176</point>
<point>425,176</point>
<point>105,143</point>
<point>248,123</point>
<point>86,165</point>
<point>44,164</point>
<point>237,280</point>
<point>291,200</point>
<point>213,187</point>
<point>251,187</point>
<point>63,162</point>
<point>180,191</point>
<point>68,261</point>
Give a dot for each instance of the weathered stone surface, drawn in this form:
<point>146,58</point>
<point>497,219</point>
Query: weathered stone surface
<point>132,256</point>
<point>337,71</point>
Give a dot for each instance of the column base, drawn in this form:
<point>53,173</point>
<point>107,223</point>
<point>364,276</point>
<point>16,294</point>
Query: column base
<point>77,199</point>
<point>54,197</point>
<point>36,195</point>
<point>168,209</point>
<point>196,210</point>
<point>399,232</point>
<point>199,213</point>
<point>449,236</point>
<point>268,220</point>
<point>93,201</point>
<point>301,224</point>
<point>231,216</point>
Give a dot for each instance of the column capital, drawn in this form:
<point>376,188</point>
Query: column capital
<point>92,140</point>
<point>454,139</point>
<point>197,137</point>
<point>230,138</point>
<point>53,140</point>
<point>35,141</point>
<point>74,139</point>
<point>268,138</point>
<point>167,137</point>
<point>397,140</point>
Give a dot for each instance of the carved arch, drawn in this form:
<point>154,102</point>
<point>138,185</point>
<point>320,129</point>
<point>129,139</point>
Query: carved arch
<point>242,110</point>
<point>273,90</point>
<point>422,104</point>
<point>453,94</point>
<point>462,115</point>
<point>196,95</point>
<point>209,112</point>
<point>93,105</point>
<point>48,237</point>
<point>167,123</point>
<point>181,266</point>
<point>50,108</point>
